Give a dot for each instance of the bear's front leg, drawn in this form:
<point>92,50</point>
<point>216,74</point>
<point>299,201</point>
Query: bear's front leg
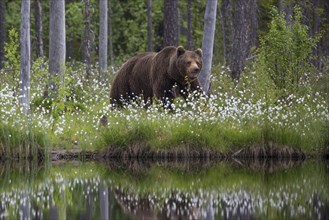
<point>195,86</point>
<point>191,87</point>
<point>165,94</point>
<point>168,99</point>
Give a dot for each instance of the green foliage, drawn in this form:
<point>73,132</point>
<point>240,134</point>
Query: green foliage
<point>236,116</point>
<point>198,8</point>
<point>12,53</point>
<point>129,24</point>
<point>134,133</point>
<point>68,98</point>
<point>74,20</point>
<point>284,54</point>
<point>17,142</point>
<point>253,86</point>
<point>11,69</point>
<point>12,16</point>
<point>129,20</point>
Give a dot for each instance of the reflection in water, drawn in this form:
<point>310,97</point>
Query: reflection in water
<point>228,190</point>
<point>269,166</point>
<point>25,205</point>
<point>53,213</point>
<point>104,201</point>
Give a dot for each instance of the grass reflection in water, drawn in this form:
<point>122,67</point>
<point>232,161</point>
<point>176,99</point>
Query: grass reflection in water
<point>162,190</point>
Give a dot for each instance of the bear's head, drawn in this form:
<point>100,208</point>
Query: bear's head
<point>189,63</point>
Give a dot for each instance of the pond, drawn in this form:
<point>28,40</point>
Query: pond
<point>165,190</point>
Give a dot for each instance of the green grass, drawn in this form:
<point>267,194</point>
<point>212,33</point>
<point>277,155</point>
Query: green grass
<point>222,136</point>
<point>17,142</point>
<point>230,120</point>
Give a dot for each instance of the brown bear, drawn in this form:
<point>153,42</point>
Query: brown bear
<point>170,72</point>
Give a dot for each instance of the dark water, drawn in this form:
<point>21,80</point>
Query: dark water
<point>165,190</point>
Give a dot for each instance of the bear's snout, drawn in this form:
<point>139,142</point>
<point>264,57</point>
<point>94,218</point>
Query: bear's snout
<point>195,70</point>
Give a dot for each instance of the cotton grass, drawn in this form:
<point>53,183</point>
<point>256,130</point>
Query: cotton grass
<point>228,120</point>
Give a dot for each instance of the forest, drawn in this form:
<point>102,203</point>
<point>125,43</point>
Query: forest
<point>266,65</point>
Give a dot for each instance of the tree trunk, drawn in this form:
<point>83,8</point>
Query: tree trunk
<point>2,32</point>
<point>25,207</point>
<point>38,27</point>
<point>103,40</point>
<point>286,8</point>
<point>280,7</point>
<point>104,202</point>
<point>316,21</point>
<point>57,43</point>
<point>170,23</point>
<point>111,37</point>
<point>227,30</point>
<point>54,212</point>
<point>69,40</point>
<point>189,25</point>
<point>238,55</point>
<point>149,25</point>
<point>325,40</point>
<point>245,24</point>
<point>307,12</point>
<point>89,203</point>
<point>86,39</point>
<point>316,30</point>
<point>208,43</point>
<point>25,44</point>
<point>253,27</point>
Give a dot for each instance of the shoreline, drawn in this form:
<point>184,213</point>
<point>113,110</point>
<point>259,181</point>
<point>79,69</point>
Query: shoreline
<point>182,152</point>
<point>141,152</point>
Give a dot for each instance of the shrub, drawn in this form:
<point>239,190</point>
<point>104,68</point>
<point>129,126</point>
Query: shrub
<point>285,54</point>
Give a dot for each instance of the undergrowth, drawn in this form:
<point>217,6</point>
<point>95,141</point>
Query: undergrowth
<point>230,119</point>
<point>258,111</point>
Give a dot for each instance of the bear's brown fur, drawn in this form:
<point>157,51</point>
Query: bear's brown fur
<point>164,75</point>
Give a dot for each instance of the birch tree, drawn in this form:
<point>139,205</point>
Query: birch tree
<point>57,43</point>
<point>208,43</point>
<point>103,4</point>
<point>24,79</point>
<point>104,201</point>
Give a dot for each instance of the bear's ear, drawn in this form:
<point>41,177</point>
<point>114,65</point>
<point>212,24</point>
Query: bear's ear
<point>199,52</point>
<point>180,51</point>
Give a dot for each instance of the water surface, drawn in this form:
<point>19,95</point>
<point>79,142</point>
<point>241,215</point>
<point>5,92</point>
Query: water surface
<point>165,190</point>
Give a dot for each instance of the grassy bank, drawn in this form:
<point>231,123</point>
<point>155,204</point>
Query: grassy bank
<point>279,106</point>
<point>232,120</point>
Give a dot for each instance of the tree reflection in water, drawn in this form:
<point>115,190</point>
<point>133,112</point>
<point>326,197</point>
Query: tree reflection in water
<point>166,190</point>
